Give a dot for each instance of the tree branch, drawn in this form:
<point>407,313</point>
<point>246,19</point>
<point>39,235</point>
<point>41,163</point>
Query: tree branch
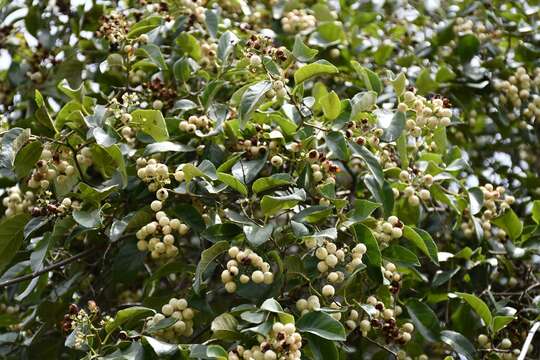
<point>47,268</point>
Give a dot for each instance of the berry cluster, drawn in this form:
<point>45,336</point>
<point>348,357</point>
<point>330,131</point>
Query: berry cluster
<point>247,266</point>
<point>53,166</point>
<point>16,202</point>
<point>194,123</point>
<point>388,230</point>
<point>153,173</point>
<point>429,113</point>
<point>495,203</point>
<point>521,94</point>
<point>297,21</point>
<point>283,342</point>
<point>262,44</point>
<point>330,257</point>
<point>383,319</point>
<point>114,27</point>
<point>177,309</point>
<point>161,243</point>
<point>312,303</point>
<point>504,349</point>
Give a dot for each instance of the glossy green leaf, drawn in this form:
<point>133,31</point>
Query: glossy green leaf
<point>207,257</point>
<point>331,105</point>
<point>321,324</point>
<point>479,306</point>
<point>251,98</point>
<point>510,223</point>
<point>320,67</point>
<point>301,51</point>
<point>271,205</point>
<point>151,122</point>
<point>424,319</point>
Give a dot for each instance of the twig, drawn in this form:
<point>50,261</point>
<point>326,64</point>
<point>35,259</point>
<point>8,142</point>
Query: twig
<point>528,341</point>
<point>386,348</point>
<point>47,268</point>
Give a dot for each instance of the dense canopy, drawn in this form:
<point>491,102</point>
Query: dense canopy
<point>270,179</point>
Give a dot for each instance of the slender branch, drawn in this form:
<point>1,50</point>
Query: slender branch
<point>386,348</point>
<point>47,268</point>
<point>528,341</point>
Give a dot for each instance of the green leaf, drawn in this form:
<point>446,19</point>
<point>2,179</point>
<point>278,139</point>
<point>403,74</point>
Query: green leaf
<point>394,129</point>
<point>217,352</point>
<point>272,305</point>
<point>224,327</point>
<point>233,183</point>
<point>26,158</point>
<point>382,194</point>
<point>129,314</point>
<point>467,46</point>
<point>189,45</point>
<point>247,171</point>
<point>272,182</point>
<point>144,26</point>
<point>445,74</point>
<point>479,306</point>
<point>321,349</point>
<point>320,67</point>
<point>188,214</point>
<point>11,237</point>
<point>422,240</point>
<point>321,324</point>
<point>271,205</point>
<point>401,255</point>
<point>442,277</point>
<point>536,211</point>
<point>161,325</point>
<point>510,223</point>
<point>399,84</point>
<point>153,53</point>
<point>42,114</point>
<point>182,69</point>
<point>371,161</point>
<point>210,92</point>
<point>151,122</point>
<point>88,219</point>
<point>363,234</point>
<point>335,140</point>
<point>476,200</point>
<point>363,101</point>
<point>94,195</point>
<point>459,343</point>
<point>226,45</point>
<point>401,144</point>
<point>212,22</point>
<point>257,235</point>
<point>331,105</point>
<point>207,257</point>
<point>362,210</point>
<point>313,214</point>
<point>500,322</point>
<point>218,232</point>
<point>302,52</point>
<point>371,80</point>
<point>250,99</point>
<point>161,348</point>
<point>73,94</point>
<point>424,83</point>
<point>383,53</point>
<point>424,319</point>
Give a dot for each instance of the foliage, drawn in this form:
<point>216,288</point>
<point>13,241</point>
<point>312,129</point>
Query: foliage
<point>268,180</point>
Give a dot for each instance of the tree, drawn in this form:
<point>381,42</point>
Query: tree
<point>269,180</point>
